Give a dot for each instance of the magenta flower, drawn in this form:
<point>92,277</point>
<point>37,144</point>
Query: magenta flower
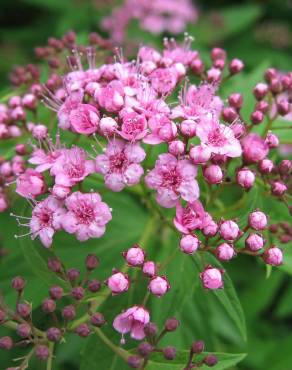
<point>134,126</point>
<point>254,148</point>
<point>46,219</point>
<point>43,160</point>
<point>172,179</point>
<point>84,119</point>
<point>71,167</point>
<point>72,102</point>
<point>191,218</point>
<point>162,130</point>
<point>120,164</point>
<point>132,321</point>
<point>30,184</point>
<point>87,215</point>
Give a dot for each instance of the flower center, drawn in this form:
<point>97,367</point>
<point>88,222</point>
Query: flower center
<point>217,138</point>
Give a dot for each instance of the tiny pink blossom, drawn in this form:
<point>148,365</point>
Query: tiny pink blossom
<point>257,220</point>
<point>245,178</point>
<point>132,321</point>
<point>254,242</point>
<point>134,126</point>
<point>229,230</point>
<point>84,119</point>
<point>149,269</point>
<point>273,256</point>
<point>158,286</point>
<point>87,215</point>
<point>134,256</point>
<point>120,164</point>
<point>212,278</point>
<point>118,283</point>
<point>110,97</point>
<point>30,184</point>
<point>225,252</point>
<point>71,103</point>
<point>189,244</point>
<point>44,161</point>
<point>173,179</point>
<point>190,218</point>
<point>161,130</point>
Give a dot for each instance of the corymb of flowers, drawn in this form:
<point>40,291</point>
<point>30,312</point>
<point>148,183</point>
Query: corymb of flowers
<point>161,129</point>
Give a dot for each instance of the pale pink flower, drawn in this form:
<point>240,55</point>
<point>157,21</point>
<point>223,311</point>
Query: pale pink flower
<point>30,184</point>
<point>134,126</point>
<point>254,148</point>
<point>110,97</point>
<point>191,218</point>
<point>164,80</point>
<point>71,167</point>
<point>120,164</point>
<point>132,321</point>
<point>87,215</point>
<point>84,119</point>
<point>64,110</point>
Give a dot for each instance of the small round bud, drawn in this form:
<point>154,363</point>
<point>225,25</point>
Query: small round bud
<point>20,149</point>
<point>213,174</point>
<point>118,283</point>
<point>149,269</point>
<point>42,352</point>
<point>210,229</point>
<point>254,242</point>
<point>6,343</point>
<point>235,100</point>
<point>229,230</point>
<point>145,349</point>
<point>56,292</point>
<point>274,228</point>
<point>262,106</point>
<point>54,334</point>
<point>97,319</point>
<point>73,274</point>
<point>107,126</point>
<point>285,167</point>
<point>212,278</point>
<point>272,140</point>
<point>94,285</point>
<point>270,73</point>
<point>257,220</point>
<point>283,107</point>
<point>18,283</point>
<point>235,66</point>
<point>134,362</point>
<point>92,262</point>
<point>48,305</point>
<point>278,188</point>
<point>197,66</point>
<point>23,309</point>
<point>188,128</point>
<point>82,330</point>
<point>265,166</point>
<point>176,147</point>
<point>218,53</point>
<point>260,90</point>
<point>257,117</point>
<point>200,154</point>
<point>23,330</point>
<point>189,244</point>
<point>40,132</point>
<point>169,353</point>
<point>69,312</point>
<point>158,286</point>
<point>225,252</point>
<point>171,324</point>
<point>198,346</point>
<point>214,75</point>
<point>229,114</point>
<point>275,86</point>
<point>78,292</point>
<point>134,256</point>
<point>210,360</point>
<point>54,264</point>
<point>150,329</point>
<point>273,256</point>
<point>60,191</point>
<point>245,178</point>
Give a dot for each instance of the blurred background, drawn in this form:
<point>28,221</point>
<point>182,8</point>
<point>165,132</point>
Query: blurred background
<point>258,32</point>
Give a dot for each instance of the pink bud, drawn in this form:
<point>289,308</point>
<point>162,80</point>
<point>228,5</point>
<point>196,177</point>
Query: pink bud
<point>229,230</point>
<point>29,101</point>
<point>229,114</point>
<point>235,66</point>
<point>176,147</point>
<point>285,167</point>
<point>210,229</point>
<point>149,269</point>
<point>3,202</point>
<point>272,140</point>
<point>60,191</point>
<point>218,53</point>
<point>273,256</point>
<point>235,100</point>
<point>189,244</point>
<point>188,128</point>
<point>107,126</point>
<point>265,166</point>
<point>14,101</point>
<point>134,256</point>
<point>200,154</point>
<point>270,73</point>
<point>158,285</point>
<point>197,66</point>
<point>14,131</point>
<point>257,117</point>
<point>30,184</point>
<point>213,75</point>
<point>257,220</point>
<point>254,242</point>
<point>20,149</point>
<point>18,114</point>
<point>260,90</point>
<point>219,63</point>
<point>245,178</point>
<point>40,132</point>
<point>279,188</point>
<point>212,278</point>
<point>238,129</point>
<point>225,252</point>
<point>283,107</point>
<point>254,148</point>
<point>213,174</point>
<point>275,86</point>
<point>262,106</point>
<point>118,283</point>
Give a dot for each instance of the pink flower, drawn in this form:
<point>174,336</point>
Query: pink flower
<point>71,167</point>
<point>164,80</point>
<point>132,321</point>
<point>219,138</point>
<point>134,126</point>
<point>158,286</point>
<point>110,97</point>
<point>120,164</point>
<point>43,160</point>
<point>46,219</point>
<point>64,110</point>
<point>84,119</point>
<point>254,148</point>
<point>118,283</point>
<point>173,179</point>
<point>212,278</point>
<point>30,184</point>
<point>87,215</point>
<point>134,256</point>
<point>190,218</point>
<point>162,130</point>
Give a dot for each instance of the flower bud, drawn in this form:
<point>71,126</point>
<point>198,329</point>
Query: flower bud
<point>169,353</point>
<point>210,360</point>
<point>218,53</point>
<point>229,114</point>
<point>40,132</point>
<point>56,292</point>
<point>134,256</point>
<point>198,346</point>
<point>18,283</point>
<point>94,285</point>
<point>29,101</point>
<point>275,86</point>
<point>262,106</point>
<point>91,262</point>
<point>272,140</point>
<point>78,292</point>
<point>6,343</point>
<point>235,100</point>
<point>158,286</point>
<point>42,352</point>
<point>254,242</point>
<point>150,329</point>
<point>260,90</point>
<point>73,274</point>
<point>211,278</point>
<point>257,117</point>
<point>171,324</point>
<point>118,283</point>
<point>82,330</point>
<point>48,305</point>
<point>200,154</point>
<point>97,319</point>
<point>213,174</point>
<point>245,178</point>
<point>54,334</point>
<point>213,75</point>
<point>235,66</point>
<point>273,256</point>
<point>238,129</point>
<point>149,269</point>
<point>23,309</point>
<point>270,73</point>
<point>134,362</point>
<point>285,167</point>
<point>189,244</point>
<point>145,349</point>
<point>279,188</point>
<point>20,149</point>
<point>176,147</point>
<point>257,220</point>
<point>283,107</point>
<point>69,312</point>
<point>265,166</point>
<point>225,252</point>
<point>60,191</point>
<point>188,128</point>
<point>210,229</point>
<point>14,101</point>
<point>197,66</point>
<point>23,330</point>
<point>107,126</point>
<point>54,264</point>
<point>229,230</point>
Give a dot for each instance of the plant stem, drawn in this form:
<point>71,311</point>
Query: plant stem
<point>50,359</point>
